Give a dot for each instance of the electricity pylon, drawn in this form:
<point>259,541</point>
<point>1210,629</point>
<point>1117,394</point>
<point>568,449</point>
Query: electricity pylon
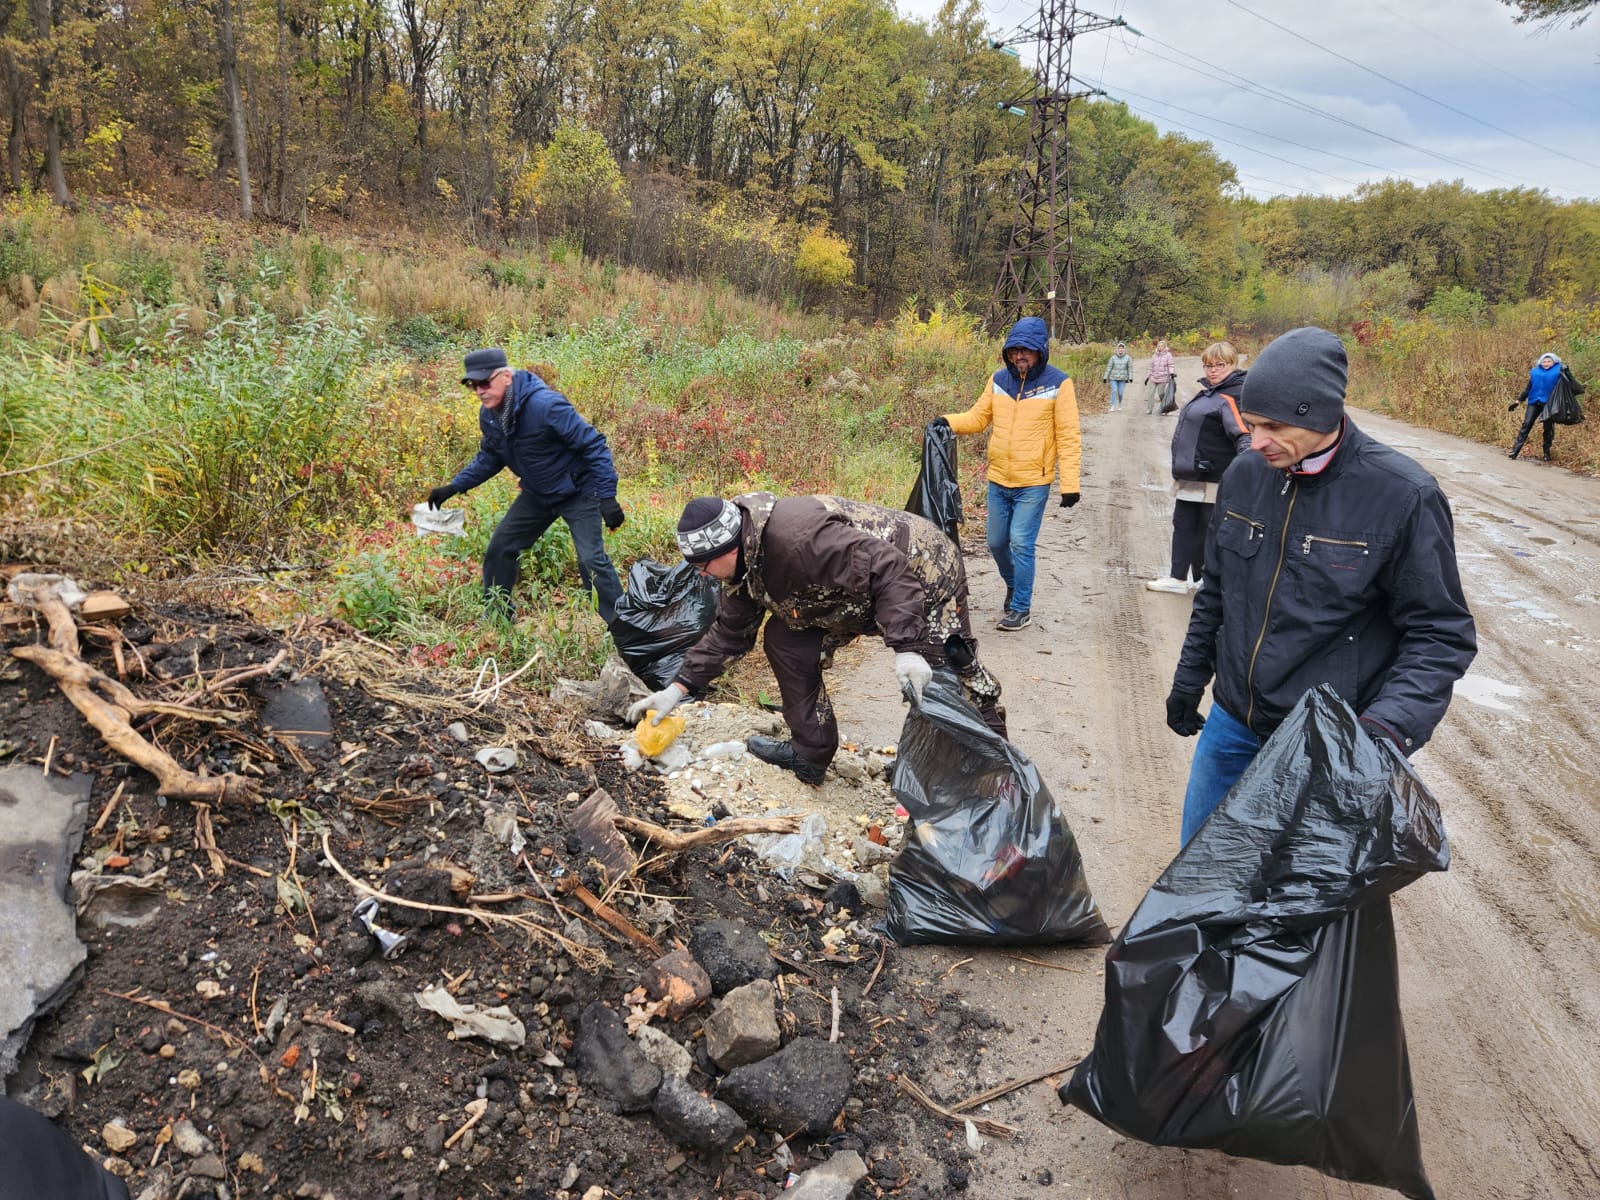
<point>1038,275</point>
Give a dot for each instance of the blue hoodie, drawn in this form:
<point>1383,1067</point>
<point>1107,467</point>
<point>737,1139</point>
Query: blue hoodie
<point>1030,333</point>
<point>538,434</point>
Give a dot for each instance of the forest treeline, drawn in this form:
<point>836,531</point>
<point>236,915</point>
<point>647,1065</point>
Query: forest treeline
<point>825,152</point>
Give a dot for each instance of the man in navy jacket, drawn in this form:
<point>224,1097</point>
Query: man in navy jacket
<point>565,469</point>
<point>1330,558</point>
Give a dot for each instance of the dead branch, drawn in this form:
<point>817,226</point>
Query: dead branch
<point>1003,1089</point>
<point>993,1128</point>
<point>78,680</point>
<point>617,921</point>
<point>585,956</point>
<point>723,831</point>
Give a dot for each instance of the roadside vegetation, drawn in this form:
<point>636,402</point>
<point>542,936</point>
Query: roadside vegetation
<point>255,412</point>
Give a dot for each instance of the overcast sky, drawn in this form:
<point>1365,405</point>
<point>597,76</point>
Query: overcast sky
<point>1523,96</point>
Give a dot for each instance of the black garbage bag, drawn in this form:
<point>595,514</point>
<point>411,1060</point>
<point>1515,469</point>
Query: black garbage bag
<point>663,613</point>
<point>937,492</point>
<point>1252,999</point>
<point>987,856</point>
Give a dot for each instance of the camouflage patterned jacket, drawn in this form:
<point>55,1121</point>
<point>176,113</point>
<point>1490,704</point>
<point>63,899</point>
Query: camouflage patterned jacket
<point>842,566</point>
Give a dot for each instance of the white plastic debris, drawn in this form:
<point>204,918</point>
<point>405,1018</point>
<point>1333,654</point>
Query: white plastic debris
<point>734,750</point>
<point>449,521</point>
<point>600,731</point>
<point>497,760</point>
<point>632,756</point>
<point>457,731</point>
<point>674,758</point>
<point>502,826</point>
<point>498,1024</point>
<point>29,588</point>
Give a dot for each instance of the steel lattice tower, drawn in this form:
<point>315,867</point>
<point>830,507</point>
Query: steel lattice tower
<point>1038,276</point>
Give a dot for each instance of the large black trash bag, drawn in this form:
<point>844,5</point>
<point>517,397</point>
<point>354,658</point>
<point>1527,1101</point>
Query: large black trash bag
<point>663,613</point>
<point>988,857</point>
<point>1252,999</point>
<point>937,492</point>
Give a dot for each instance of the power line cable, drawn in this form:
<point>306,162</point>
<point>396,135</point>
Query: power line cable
<point>1286,186</point>
<point>1253,149</point>
<point>1270,93</point>
<point>1460,112</point>
<point>1360,162</point>
<point>1490,63</point>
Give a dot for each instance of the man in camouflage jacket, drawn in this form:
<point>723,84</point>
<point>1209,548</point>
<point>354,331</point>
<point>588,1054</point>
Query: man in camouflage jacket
<point>827,570</point>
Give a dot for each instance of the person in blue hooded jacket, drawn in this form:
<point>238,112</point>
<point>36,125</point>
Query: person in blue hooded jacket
<point>1033,408</point>
<point>565,470</point>
<point>1547,376</point>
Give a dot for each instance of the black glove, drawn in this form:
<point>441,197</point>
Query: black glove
<point>1183,713</point>
<point>611,512</point>
<point>1068,499</point>
<point>1379,732</point>
<point>938,423</point>
<point>1512,407</point>
<point>439,495</point>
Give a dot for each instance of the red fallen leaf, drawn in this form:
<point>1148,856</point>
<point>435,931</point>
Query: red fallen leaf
<point>117,861</point>
<point>290,1057</point>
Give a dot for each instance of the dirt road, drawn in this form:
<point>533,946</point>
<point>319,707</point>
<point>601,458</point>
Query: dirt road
<point>1500,956</point>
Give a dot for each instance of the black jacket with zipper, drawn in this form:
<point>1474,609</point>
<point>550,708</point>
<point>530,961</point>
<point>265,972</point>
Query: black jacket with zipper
<point>1346,577</point>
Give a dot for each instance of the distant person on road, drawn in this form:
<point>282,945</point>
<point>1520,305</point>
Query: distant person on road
<point>1547,382</point>
<point>1033,410</point>
<point>1209,435</point>
<point>1160,382</point>
<point>1330,558</point>
<point>823,571</point>
<point>565,470</point>
<point>1118,373</point>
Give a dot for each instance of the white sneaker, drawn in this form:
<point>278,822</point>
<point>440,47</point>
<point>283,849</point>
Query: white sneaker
<point>1168,584</point>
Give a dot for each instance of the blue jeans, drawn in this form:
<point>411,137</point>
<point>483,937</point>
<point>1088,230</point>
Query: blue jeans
<point>1226,747</point>
<point>524,524</point>
<point>1015,515</point>
<point>1116,392</point>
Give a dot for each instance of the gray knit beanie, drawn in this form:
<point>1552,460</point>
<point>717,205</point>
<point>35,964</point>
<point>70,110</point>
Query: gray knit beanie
<point>709,528</point>
<point>1299,380</point>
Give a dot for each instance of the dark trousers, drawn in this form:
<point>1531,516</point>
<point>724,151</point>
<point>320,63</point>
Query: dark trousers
<point>1189,522</point>
<point>1535,411</point>
<point>524,524</point>
<point>796,656</point>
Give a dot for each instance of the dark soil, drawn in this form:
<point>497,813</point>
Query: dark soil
<point>355,1093</point>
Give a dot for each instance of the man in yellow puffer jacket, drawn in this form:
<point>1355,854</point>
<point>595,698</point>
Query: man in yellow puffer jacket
<point>1034,411</point>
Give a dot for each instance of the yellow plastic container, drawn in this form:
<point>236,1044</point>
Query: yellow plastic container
<point>652,738</point>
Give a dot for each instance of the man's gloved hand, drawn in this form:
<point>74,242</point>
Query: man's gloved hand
<point>1183,713</point>
<point>439,495</point>
<point>939,423</point>
<point>662,702</point>
<point>913,671</point>
<point>611,513</point>
<point>1512,407</point>
<point>1379,732</point>
<point>1068,499</point>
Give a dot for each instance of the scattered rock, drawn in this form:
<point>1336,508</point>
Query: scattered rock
<point>694,1120</point>
<point>118,1137</point>
<point>609,1062</point>
<point>732,954</point>
<point>680,981</point>
<point>744,1029</point>
<point>189,1141</point>
<point>833,1180</point>
<point>664,1052</point>
<point>801,1087</point>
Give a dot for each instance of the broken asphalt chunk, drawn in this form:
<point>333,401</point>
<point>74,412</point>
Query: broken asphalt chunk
<point>611,1064</point>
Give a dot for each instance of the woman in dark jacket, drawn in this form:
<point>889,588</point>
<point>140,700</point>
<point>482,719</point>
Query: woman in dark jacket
<point>1549,382</point>
<point>1208,437</point>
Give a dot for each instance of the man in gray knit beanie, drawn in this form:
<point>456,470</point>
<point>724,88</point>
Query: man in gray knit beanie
<point>1330,558</point>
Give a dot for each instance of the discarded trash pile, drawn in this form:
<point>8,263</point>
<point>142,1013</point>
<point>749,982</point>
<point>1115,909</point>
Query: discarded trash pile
<point>369,961</point>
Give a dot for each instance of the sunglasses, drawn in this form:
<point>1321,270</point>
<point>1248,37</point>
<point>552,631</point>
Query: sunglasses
<point>479,385</point>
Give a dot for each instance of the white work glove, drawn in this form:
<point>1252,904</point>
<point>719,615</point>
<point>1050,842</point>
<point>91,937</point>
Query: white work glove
<point>913,671</point>
<point>663,702</point>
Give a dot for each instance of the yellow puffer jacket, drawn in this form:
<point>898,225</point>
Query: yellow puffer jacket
<point>1032,434</point>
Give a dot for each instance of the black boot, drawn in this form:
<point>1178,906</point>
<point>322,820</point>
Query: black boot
<point>783,754</point>
<point>1516,447</point>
